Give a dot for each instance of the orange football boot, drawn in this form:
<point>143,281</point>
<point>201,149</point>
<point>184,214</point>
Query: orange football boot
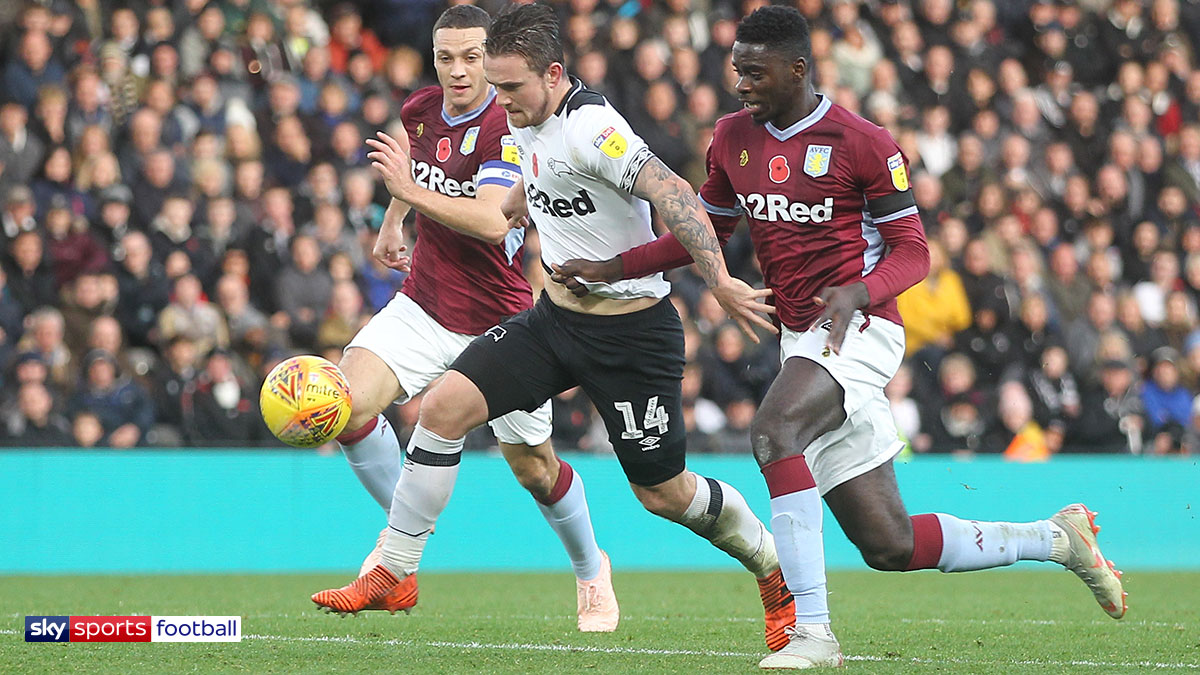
<point>780,609</point>
<point>377,589</point>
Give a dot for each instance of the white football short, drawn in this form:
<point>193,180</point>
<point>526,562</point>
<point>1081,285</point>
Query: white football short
<point>869,357</point>
<point>418,349</point>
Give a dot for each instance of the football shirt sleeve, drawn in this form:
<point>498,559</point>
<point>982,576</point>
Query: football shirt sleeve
<point>883,173</point>
<point>498,161</point>
<point>601,143</point>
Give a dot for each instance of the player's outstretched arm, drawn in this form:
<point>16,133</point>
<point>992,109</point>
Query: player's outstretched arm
<point>683,215</point>
<point>477,217</point>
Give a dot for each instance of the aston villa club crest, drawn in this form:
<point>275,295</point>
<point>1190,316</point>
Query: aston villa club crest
<point>816,160</point>
<point>468,142</point>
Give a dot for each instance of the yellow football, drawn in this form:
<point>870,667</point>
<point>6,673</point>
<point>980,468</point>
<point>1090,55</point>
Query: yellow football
<point>305,401</point>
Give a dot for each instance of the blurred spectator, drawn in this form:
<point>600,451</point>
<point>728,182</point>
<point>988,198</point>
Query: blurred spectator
<point>959,415</point>
<point>219,408</point>
<point>1055,395</point>
<point>348,36</point>
<point>343,318</point>
<point>34,67</point>
<point>36,425</point>
<point>1111,418</point>
<point>303,290</point>
<point>1027,440</point>
<point>20,150</point>
<point>190,314</point>
<point>30,280</point>
<point>124,409</point>
<point>1067,288</point>
<point>935,309</point>
<point>172,376</point>
<point>1167,403</point>
<point>143,288</point>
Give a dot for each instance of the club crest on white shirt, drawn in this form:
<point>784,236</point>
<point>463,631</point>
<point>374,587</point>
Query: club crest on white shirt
<point>468,142</point>
<point>816,160</point>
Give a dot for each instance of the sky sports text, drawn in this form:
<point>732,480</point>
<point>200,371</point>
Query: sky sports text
<point>133,629</point>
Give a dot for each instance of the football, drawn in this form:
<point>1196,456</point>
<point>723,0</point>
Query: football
<point>305,401</point>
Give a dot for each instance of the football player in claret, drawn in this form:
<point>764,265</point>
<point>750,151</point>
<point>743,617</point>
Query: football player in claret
<point>836,229</point>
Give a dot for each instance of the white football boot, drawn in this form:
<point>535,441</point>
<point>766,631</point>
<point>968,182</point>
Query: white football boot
<point>1080,553</point>
<point>809,647</point>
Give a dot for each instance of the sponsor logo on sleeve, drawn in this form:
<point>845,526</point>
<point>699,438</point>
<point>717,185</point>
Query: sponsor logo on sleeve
<point>816,160</point>
<point>468,142</point>
<point>611,143</point>
<point>895,165</point>
<point>508,150</point>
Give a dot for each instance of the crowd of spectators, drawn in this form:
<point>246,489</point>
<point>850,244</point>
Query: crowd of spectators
<point>185,200</point>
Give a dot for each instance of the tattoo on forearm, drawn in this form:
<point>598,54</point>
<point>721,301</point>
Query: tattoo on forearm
<point>682,214</point>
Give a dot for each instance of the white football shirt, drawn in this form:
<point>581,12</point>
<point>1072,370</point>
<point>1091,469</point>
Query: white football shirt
<point>579,167</point>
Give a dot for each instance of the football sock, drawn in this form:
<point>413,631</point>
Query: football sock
<point>955,545</point>
<point>420,496</point>
<point>720,514</point>
<point>374,454</point>
<point>566,509</point>
<point>796,520</point>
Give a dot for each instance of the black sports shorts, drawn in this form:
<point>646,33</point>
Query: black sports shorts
<point>629,365</point>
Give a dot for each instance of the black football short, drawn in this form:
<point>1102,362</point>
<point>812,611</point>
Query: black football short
<point>630,365</point>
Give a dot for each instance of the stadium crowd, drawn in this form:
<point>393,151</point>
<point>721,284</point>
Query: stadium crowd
<point>185,200</point>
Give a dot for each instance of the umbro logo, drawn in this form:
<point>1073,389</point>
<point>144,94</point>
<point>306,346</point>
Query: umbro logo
<point>649,443</point>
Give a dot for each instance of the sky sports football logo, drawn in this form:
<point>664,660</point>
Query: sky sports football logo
<point>133,629</point>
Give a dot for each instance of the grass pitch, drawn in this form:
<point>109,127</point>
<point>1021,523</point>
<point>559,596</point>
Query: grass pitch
<point>1007,621</point>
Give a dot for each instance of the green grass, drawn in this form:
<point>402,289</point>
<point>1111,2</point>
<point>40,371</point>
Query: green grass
<point>1007,621</point>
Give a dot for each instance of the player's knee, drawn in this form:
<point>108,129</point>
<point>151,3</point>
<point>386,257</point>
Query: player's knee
<point>887,555</point>
<point>360,417</point>
<point>440,415</point>
<point>660,503</point>
<point>534,475</point>
<point>773,437</point>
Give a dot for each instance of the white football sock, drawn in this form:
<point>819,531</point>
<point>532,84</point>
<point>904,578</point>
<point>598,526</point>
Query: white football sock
<point>974,545</point>
<point>720,514</point>
<point>796,520</point>
<point>567,513</point>
<point>420,496</point>
<point>375,459</point>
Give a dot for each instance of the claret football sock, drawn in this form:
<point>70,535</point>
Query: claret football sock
<point>420,496</point>
<point>955,545</point>
<point>374,455</point>
<point>720,514</point>
<point>796,521</point>
<point>566,510</point>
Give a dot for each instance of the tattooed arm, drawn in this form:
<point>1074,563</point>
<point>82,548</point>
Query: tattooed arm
<point>683,215</point>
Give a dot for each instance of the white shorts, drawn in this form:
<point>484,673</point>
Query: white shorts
<point>418,349</point>
<point>869,358</point>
